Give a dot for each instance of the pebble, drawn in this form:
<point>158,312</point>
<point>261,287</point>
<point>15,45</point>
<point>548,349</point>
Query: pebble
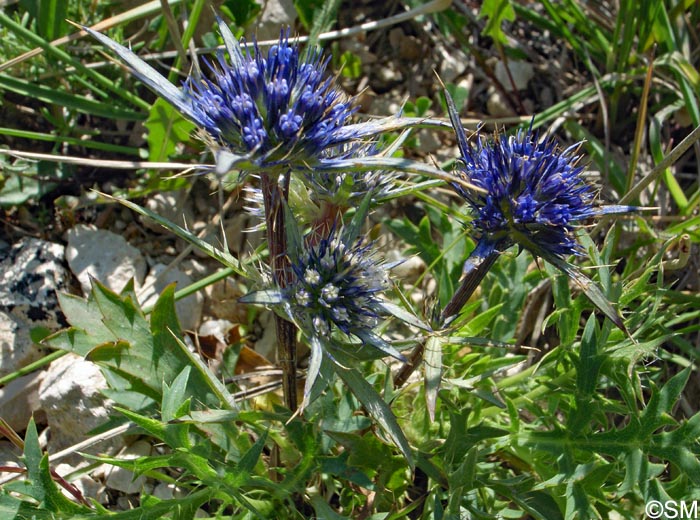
<point>31,273</point>
<point>70,393</point>
<point>105,256</point>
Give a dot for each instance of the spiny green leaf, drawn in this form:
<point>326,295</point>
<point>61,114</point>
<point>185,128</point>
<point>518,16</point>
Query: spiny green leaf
<point>376,408</point>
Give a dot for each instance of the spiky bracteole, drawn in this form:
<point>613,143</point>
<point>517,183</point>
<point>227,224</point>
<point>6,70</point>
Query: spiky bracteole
<point>347,189</point>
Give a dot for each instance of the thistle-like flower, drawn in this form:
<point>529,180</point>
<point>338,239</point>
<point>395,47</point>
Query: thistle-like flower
<point>261,109</point>
<point>527,193</point>
<point>531,193</point>
<point>336,288</point>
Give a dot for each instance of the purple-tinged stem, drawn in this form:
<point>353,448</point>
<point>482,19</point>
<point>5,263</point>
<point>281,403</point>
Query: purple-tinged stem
<point>273,194</point>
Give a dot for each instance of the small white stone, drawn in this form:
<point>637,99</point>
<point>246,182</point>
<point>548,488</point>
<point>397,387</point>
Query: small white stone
<point>103,255</point>
<point>19,400</point>
<point>70,394</point>
<point>275,14</point>
<point>87,485</point>
<point>521,72</point>
<point>171,205</point>
<point>124,480</point>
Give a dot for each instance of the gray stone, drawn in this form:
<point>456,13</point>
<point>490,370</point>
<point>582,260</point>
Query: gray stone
<point>105,256</point>
<point>30,274</point>
<point>275,15</point>
<point>19,400</point>
<point>124,480</point>
<point>70,395</point>
<point>171,205</point>
<point>521,72</point>
<point>189,309</point>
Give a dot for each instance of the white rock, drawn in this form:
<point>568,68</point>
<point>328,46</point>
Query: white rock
<point>409,270</point>
<point>164,491</point>
<point>276,15</point>
<point>189,309</point>
<point>521,71</point>
<point>30,274</point>
<point>452,64</point>
<point>124,480</point>
<point>103,255</point>
<point>497,105</point>
<point>70,395</point>
<point>171,205</point>
<point>19,400</point>
<point>87,485</point>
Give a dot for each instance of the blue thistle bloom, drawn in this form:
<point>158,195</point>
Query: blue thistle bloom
<point>336,285</point>
<point>526,192</point>
<point>277,106</point>
<point>263,110</point>
<point>533,194</point>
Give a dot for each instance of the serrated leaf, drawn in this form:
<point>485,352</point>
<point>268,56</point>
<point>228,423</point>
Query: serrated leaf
<point>496,12</point>
<point>43,488</point>
<point>376,408</point>
<point>247,463</point>
<point>175,395</point>
<point>142,353</point>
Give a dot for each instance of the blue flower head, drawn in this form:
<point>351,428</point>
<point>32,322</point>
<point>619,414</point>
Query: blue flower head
<point>276,105</point>
<point>334,292</point>
<point>273,108</point>
<point>338,285</point>
<point>531,193</point>
<point>528,192</point>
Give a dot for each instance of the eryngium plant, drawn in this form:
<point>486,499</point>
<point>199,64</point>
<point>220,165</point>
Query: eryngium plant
<point>262,110</point>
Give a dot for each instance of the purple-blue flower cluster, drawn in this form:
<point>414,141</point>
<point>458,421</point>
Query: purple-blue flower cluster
<point>531,192</point>
<point>277,105</point>
<point>337,284</point>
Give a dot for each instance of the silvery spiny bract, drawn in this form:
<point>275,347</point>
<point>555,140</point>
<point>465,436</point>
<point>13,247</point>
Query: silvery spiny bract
<point>271,109</point>
<point>347,189</point>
